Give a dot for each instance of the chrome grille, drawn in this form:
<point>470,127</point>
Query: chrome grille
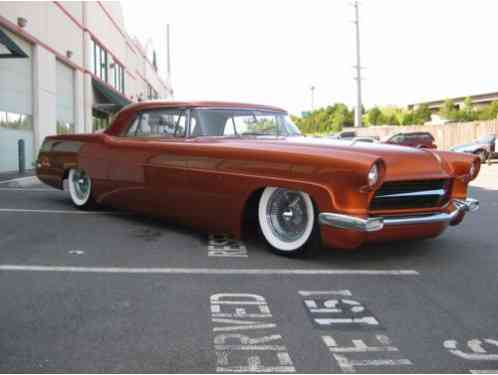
<point>411,194</point>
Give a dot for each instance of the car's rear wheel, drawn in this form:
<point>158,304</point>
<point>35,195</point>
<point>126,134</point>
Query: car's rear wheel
<point>80,189</point>
<point>287,221</point>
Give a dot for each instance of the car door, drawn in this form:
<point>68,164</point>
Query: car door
<point>147,164</point>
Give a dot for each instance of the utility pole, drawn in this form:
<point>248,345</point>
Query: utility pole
<point>357,114</point>
<point>312,88</point>
<point>168,59</point>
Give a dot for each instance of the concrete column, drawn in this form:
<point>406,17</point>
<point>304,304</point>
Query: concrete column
<point>44,95</point>
<point>79,107</point>
<point>88,102</point>
<point>87,82</point>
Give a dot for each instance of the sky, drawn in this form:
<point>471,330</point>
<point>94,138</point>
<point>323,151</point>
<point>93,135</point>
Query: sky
<point>273,51</point>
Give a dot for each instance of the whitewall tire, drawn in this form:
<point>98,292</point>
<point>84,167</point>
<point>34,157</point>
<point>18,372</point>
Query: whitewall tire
<point>80,188</point>
<point>286,219</point>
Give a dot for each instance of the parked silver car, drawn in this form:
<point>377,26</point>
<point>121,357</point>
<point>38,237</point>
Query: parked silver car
<point>484,147</point>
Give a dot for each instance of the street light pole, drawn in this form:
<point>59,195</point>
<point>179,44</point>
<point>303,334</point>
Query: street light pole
<point>357,117</point>
<point>312,88</point>
<point>168,59</point>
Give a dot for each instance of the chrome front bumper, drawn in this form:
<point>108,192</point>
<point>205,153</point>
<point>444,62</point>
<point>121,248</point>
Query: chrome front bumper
<point>373,224</point>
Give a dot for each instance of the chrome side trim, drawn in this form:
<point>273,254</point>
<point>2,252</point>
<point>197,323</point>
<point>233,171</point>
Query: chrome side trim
<point>421,219</point>
<point>422,193</point>
<point>372,224</point>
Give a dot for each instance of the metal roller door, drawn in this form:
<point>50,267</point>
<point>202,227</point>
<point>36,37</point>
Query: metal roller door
<point>16,93</point>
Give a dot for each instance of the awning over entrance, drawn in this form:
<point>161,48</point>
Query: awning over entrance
<point>8,48</point>
<point>107,100</point>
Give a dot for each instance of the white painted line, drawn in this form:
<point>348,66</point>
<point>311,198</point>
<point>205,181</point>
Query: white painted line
<point>307,293</point>
<point>76,252</point>
<point>31,189</point>
<point>75,212</point>
<point>495,371</point>
<point>204,271</point>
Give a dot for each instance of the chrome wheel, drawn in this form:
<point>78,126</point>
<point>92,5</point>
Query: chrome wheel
<point>286,214</point>
<point>80,187</point>
<point>286,218</point>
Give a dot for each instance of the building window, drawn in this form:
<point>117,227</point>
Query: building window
<point>99,65</point>
<point>65,127</point>
<point>116,71</point>
<point>100,123</point>
<point>106,68</point>
<point>15,121</point>
<point>120,86</point>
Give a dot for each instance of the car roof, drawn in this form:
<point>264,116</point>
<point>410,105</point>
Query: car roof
<point>151,104</point>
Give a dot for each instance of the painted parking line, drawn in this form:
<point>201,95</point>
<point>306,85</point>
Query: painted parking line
<point>478,351</point>
<point>206,271</point>
<point>71,212</point>
<point>307,293</point>
<point>31,189</point>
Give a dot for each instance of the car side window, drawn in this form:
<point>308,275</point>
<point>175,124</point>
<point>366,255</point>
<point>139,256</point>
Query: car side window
<point>410,138</point>
<point>159,123</point>
<point>427,138</point>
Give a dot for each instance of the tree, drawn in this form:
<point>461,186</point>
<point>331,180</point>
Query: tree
<point>467,113</point>
<point>325,120</point>
<point>374,116</point>
<point>422,114</point>
<point>489,112</point>
<point>449,110</point>
<point>407,118</point>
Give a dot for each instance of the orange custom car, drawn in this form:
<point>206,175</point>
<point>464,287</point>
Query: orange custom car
<point>215,165</point>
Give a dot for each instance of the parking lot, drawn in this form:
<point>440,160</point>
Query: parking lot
<point>111,291</point>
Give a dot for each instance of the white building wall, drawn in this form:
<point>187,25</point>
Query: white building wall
<point>63,31</point>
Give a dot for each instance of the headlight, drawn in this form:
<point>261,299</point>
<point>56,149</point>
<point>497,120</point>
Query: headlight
<point>373,175</point>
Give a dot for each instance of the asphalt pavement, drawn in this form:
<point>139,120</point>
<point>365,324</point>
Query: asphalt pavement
<point>111,291</point>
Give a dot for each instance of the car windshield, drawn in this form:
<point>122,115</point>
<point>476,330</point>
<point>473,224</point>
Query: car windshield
<point>235,122</point>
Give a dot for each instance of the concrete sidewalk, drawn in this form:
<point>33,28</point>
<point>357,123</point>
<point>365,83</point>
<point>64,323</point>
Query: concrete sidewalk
<point>488,176</point>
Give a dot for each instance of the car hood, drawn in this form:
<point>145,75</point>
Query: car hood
<point>402,163</point>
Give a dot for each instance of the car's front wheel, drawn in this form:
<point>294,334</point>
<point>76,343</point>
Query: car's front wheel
<point>287,221</point>
<point>80,189</point>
